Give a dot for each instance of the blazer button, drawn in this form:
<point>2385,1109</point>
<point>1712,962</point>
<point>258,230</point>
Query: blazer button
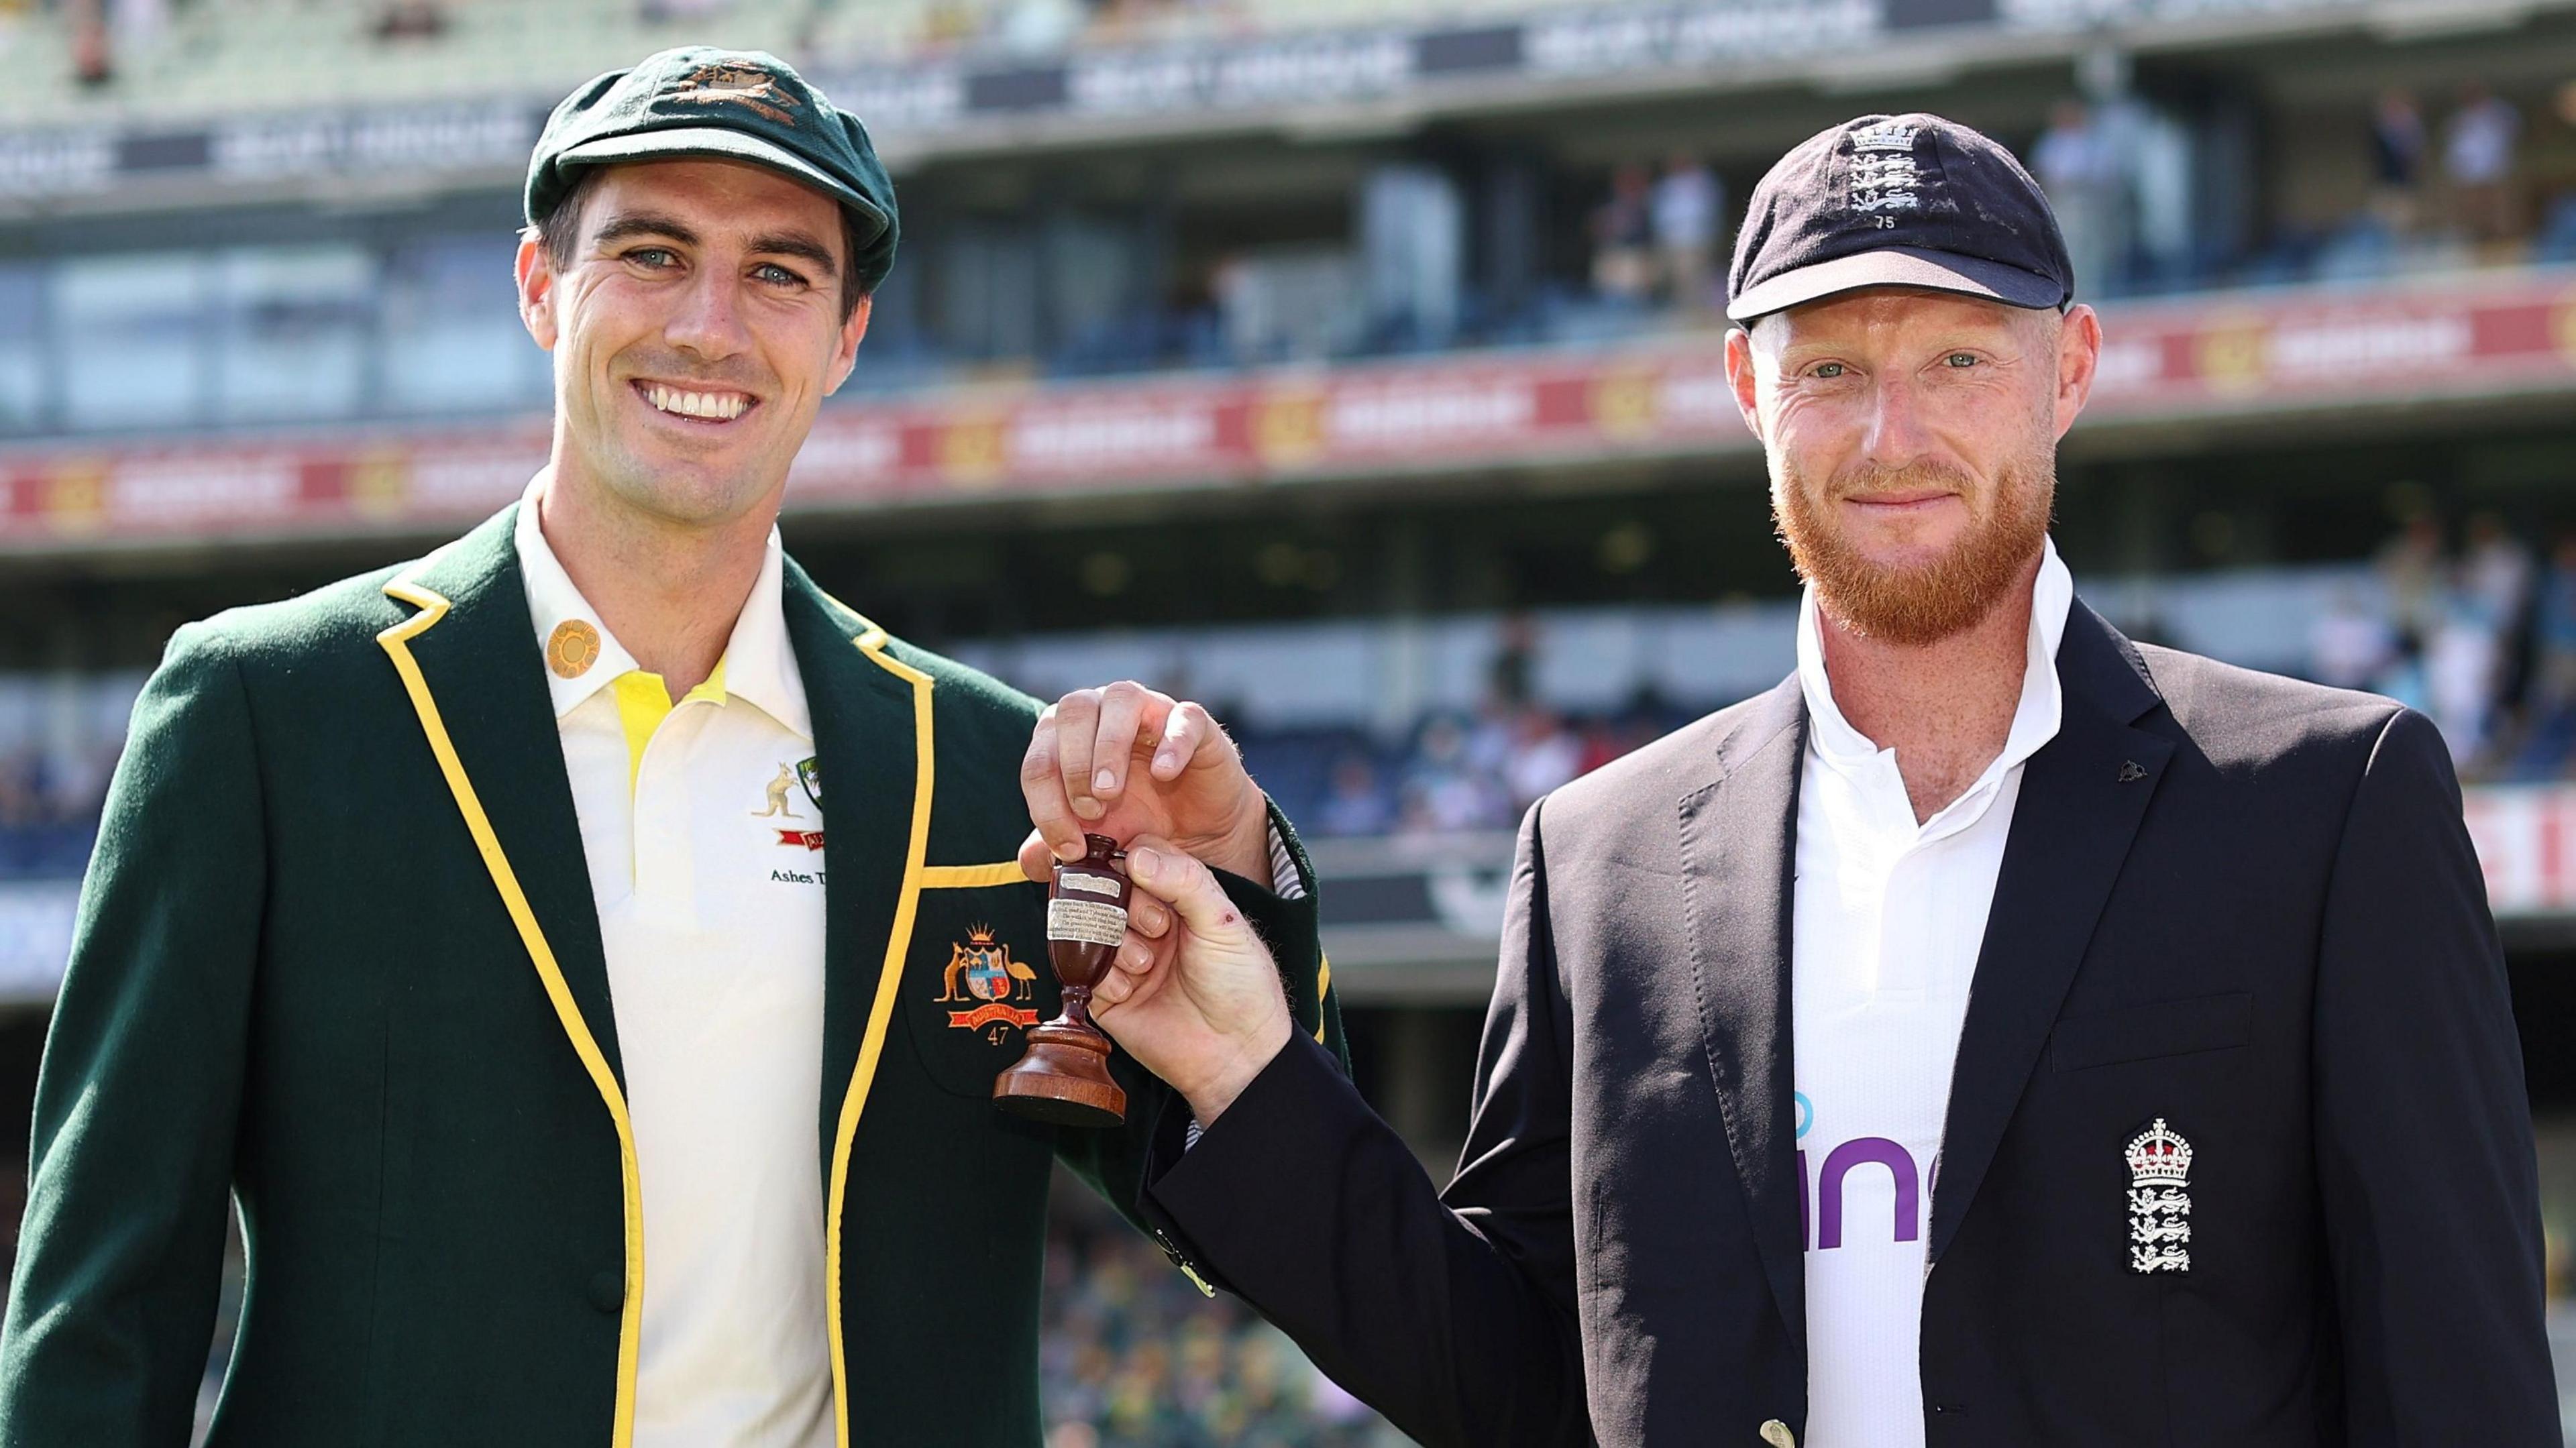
<point>608,1291</point>
<point>1777,1434</point>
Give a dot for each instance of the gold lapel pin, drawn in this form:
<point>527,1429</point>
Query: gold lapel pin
<point>572,648</point>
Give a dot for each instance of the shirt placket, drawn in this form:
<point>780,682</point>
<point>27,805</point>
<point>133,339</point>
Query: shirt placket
<point>665,826</point>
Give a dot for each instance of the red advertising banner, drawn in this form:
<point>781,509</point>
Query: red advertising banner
<point>2526,842</point>
<point>2214,355</point>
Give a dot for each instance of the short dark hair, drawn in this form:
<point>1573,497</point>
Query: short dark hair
<point>560,229</point>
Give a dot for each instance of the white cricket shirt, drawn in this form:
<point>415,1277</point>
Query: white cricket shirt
<point>706,867</point>
<point>1889,918</point>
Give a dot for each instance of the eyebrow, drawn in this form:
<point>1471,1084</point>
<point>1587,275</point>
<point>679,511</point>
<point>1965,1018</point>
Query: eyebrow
<point>645,223</point>
<point>801,245</point>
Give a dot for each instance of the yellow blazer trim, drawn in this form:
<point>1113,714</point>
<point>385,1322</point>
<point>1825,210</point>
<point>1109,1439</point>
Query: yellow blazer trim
<point>397,644</point>
<point>971,877</point>
<point>1323,983</point>
<point>872,643</point>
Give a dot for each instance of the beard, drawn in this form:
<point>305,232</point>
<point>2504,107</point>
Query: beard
<point>1919,603</point>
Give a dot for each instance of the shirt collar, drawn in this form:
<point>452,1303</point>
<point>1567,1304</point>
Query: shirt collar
<point>2035,720</point>
<point>758,666</point>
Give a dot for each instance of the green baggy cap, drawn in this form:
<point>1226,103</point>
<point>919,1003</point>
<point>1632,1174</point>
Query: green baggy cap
<point>736,105</point>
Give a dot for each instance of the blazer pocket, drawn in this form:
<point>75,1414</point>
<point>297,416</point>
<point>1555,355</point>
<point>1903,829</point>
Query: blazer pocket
<point>977,980</point>
<point>2141,1033</point>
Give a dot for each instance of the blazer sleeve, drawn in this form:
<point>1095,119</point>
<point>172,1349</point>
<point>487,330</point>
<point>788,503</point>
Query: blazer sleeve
<point>2423,1129</point>
<point>1451,1313</point>
<point>1115,1162</point>
<point>120,1256</point>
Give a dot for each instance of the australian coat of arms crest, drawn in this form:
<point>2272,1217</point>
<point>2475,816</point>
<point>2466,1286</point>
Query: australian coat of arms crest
<point>988,987</point>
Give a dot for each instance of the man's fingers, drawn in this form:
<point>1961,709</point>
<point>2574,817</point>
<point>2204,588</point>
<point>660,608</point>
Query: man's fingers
<point>1180,881</point>
<point>1043,786</point>
<point>1130,974</point>
<point>1037,858</point>
<point>1124,708</point>
<point>1189,733</point>
<point>1077,726</point>
<point>1148,916</point>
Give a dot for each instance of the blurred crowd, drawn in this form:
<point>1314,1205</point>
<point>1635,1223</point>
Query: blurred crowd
<point>1656,238</point>
<point>1045,27</point>
<point>49,804</point>
<point>2472,622</point>
<point>2477,631</point>
<point>1134,1357</point>
<point>2450,186</point>
<point>1453,771</point>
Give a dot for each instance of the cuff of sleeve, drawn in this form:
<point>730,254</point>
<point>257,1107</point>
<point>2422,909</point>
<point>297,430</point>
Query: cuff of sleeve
<point>1285,882</point>
<point>1208,1195</point>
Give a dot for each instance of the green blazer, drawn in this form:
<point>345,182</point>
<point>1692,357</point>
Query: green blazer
<point>338,968</point>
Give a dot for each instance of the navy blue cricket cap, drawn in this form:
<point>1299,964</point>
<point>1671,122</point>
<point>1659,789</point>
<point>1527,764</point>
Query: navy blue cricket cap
<point>1907,201</point>
<point>699,102</point>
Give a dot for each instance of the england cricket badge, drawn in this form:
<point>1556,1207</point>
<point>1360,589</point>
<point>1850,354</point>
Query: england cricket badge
<point>2159,1200</point>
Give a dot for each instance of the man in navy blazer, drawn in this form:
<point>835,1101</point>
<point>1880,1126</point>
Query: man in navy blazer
<point>1998,1033</point>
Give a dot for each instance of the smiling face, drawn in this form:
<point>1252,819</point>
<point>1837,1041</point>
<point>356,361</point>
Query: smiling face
<point>1911,438</point>
<point>695,331</point>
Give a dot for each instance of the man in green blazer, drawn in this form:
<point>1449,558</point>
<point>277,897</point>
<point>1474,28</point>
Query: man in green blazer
<point>474,930</point>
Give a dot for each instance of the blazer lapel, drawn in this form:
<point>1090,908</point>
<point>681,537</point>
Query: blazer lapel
<point>1739,856</point>
<point>482,683</point>
<point>2082,798</point>
<point>872,742</point>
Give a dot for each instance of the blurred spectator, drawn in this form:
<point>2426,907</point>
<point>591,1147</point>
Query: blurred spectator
<point>2403,679</point>
<point>1543,755</point>
<point>93,53</point>
<point>411,20</point>
<point>2477,161</point>
<point>2460,671</point>
<point>2495,570</point>
<point>1356,805</point>
<point>2414,572</point>
<point>655,12</point>
<point>2553,683</point>
<point>2349,645</point>
<point>1687,206</point>
<point>2398,144</point>
<point>1508,678</point>
<point>1444,793</point>
<point>1623,264</point>
<point>2078,166</point>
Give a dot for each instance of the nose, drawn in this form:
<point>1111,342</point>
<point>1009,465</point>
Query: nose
<point>707,323</point>
<point>1894,433</point>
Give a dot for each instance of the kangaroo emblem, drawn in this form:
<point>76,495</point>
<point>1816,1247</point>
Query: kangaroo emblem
<point>778,788</point>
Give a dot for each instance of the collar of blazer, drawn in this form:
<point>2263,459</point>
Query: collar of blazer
<point>469,661</point>
<point>2079,808</point>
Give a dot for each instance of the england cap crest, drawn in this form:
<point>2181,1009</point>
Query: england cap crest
<point>1910,200</point>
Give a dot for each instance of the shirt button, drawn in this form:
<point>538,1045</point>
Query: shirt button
<point>608,1291</point>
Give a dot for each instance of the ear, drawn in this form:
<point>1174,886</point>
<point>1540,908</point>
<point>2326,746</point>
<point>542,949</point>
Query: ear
<point>845,348</point>
<point>1740,376</point>
<point>536,273</point>
<point>2079,356</point>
